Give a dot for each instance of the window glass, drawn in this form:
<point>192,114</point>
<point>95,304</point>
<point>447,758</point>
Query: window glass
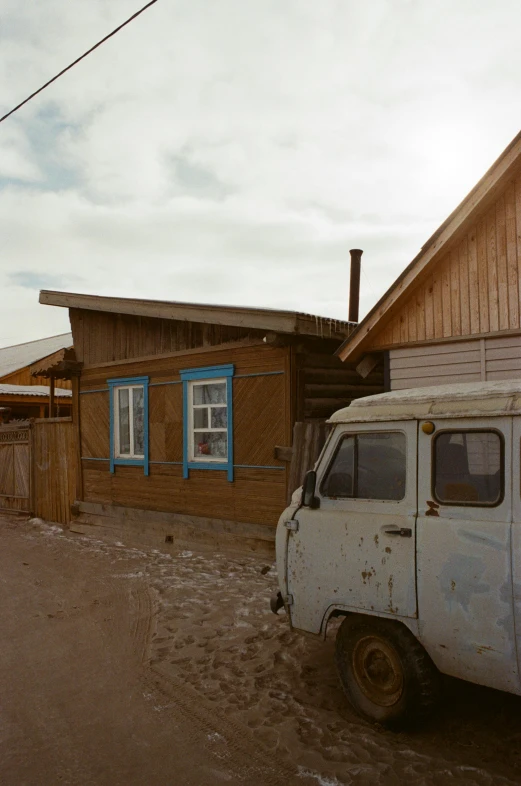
<point>381,466</point>
<point>138,406</point>
<point>124,421</point>
<point>368,466</point>
<point>212,393</point>
<point>339,481</point>
<point>467,467</point>
<point>209,421</point>
<point>130,436</point>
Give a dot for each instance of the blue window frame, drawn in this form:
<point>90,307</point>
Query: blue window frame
<point>129,422</point>
<point>208,419</point>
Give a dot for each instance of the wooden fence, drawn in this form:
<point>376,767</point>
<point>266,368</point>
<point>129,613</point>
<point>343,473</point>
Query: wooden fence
<point>15,472</point>
<point>53,459</point>
<point>37,468</point>
<point>308,441</point>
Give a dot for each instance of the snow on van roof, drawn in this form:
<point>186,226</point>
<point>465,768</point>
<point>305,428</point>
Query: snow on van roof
<point>466,398</point>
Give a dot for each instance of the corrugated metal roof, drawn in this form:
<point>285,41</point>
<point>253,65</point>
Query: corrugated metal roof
<point>21,355</point>
<point>32,390</point>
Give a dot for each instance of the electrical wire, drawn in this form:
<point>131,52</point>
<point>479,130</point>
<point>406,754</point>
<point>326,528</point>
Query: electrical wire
<point>130,19</point>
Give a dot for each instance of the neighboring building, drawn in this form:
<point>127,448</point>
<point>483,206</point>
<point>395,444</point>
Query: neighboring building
<point>27,395</point>
<point>454,314</point>
<point>185,412</point>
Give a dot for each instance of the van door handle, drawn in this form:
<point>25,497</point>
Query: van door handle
<point>403,532</point>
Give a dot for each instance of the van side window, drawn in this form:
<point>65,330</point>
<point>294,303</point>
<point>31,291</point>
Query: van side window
<point>368,466</point>
<point>468,468</point>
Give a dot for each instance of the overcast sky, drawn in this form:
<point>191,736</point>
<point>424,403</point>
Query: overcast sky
<point>225,151</point>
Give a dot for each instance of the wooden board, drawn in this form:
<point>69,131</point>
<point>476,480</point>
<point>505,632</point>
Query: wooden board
<point>255,496</point>
<point>15,472</point>
<point>475,286</point>
<point>480,359</point>
<point>54,463</point>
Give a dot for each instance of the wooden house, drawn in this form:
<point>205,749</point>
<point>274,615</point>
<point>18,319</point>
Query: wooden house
<point>26,394</point>
<point>454,314</point>
<point>185,413</point>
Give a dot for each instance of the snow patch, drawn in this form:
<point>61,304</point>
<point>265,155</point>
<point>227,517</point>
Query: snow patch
<point>323,781</point>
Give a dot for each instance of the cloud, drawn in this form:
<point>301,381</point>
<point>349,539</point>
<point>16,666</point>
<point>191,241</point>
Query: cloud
<point>234,152</point>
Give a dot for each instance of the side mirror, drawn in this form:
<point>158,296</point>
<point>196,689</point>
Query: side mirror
<point>309,500</point>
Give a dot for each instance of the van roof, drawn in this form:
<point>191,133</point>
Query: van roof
<point>469,399</point>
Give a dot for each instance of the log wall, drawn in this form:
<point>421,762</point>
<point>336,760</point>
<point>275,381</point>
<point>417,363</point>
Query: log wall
<point>325,384</point>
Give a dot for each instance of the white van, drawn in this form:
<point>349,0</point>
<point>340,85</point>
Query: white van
<point>409,527</point>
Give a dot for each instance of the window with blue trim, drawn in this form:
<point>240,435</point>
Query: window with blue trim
<point>129,422</point>
<point>208,419</point>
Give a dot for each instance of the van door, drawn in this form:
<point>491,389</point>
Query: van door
<point>357,549</point>
<point>516,529</point>
<point>464,549</point>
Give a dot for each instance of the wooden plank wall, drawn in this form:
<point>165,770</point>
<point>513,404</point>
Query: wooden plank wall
<point>490,358</point>
<point>53,468</point>
<point>474,288</point>
<point>261,407</point>
<point>23,377</point>
<point>103,337</point>
<point>15,487</point>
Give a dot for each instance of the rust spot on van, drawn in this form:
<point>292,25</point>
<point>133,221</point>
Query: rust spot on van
<point>388,549</point>
<point>376,539</point>
<point>432,508</point>
<point>483,648</point>
<point>453,585</point>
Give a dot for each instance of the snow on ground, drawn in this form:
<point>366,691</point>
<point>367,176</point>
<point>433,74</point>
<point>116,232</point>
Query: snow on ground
<point>215,631</point>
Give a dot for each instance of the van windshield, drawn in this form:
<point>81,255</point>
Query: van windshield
<point>368,466</point>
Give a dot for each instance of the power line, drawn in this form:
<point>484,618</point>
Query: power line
<point>130,19</point>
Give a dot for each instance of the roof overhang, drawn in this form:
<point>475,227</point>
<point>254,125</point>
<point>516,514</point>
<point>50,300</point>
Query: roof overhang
<point>483,193</point>
<point>60,365</point>
<point>289,322</point>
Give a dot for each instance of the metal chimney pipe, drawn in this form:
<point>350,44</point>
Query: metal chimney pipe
<point>354,284</point>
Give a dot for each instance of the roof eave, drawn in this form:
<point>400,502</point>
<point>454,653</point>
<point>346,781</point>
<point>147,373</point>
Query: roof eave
<point>287,322</point>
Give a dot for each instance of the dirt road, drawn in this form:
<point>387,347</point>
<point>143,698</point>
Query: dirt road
<point>78,703</point>
<point>124,667</point>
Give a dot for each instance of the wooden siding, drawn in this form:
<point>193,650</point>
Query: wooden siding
<point>54,468</point>
<point>23,377</point>
<point>101,337</point>
<point>490,358</point>
<point>261,405</point>
<point>474,288</point>
<point>15,452</point>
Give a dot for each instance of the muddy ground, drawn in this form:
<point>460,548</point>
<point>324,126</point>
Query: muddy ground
<point>121,666</point>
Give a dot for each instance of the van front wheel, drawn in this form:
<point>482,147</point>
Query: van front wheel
<point>385,672</point>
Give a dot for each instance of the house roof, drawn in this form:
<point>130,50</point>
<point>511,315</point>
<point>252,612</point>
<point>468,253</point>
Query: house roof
<point>21,355</point>
<point>483,193</point>
<point>32,390</point>
<point>475,399</point>
<point>273,320</point>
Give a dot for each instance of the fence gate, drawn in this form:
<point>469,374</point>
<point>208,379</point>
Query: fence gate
<point>15,467</point>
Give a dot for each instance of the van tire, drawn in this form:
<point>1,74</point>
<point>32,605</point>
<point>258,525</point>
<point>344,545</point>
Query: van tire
<point>385,672</point>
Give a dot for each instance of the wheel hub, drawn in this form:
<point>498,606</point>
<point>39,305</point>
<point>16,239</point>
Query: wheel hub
<point>378,670</point>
